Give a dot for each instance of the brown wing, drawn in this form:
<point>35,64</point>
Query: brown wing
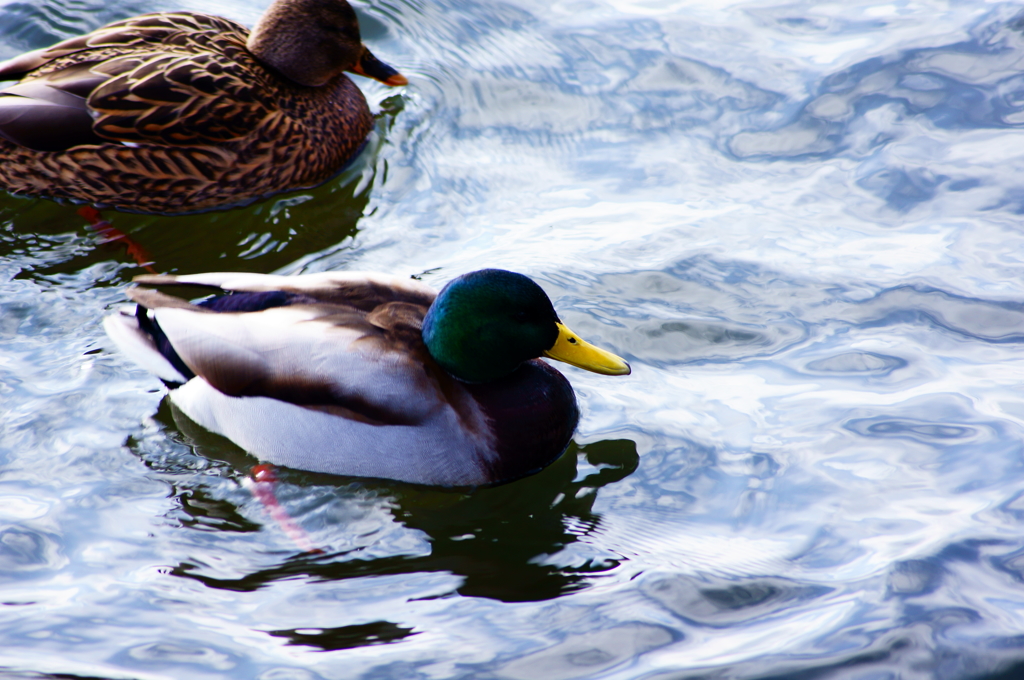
<point>144,31</point>
<point>173,79</point>
<point>365,291</point>
<point>178,100</point>
<point>305,342</point>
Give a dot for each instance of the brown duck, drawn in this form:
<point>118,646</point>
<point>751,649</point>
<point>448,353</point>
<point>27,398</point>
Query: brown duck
<point>181,112</point>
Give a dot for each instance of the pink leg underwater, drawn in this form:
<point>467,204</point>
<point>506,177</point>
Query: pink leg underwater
<point>263,489</point>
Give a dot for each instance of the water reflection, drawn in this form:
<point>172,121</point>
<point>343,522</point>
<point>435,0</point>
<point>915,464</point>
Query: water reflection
<point>24,551</point>
<point>584,655</point>
<point>719,602</point>
<point>498,540</point>
<point>346,637</point>
<point>966,85</point>
<point>801,224</point>
<point>261,237</point>
<point>30,26</point>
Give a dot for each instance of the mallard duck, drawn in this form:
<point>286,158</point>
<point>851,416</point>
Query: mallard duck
<point>367,374</point>
<point>179,112</point>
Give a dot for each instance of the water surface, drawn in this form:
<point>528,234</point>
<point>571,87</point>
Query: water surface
<point>800,222</point>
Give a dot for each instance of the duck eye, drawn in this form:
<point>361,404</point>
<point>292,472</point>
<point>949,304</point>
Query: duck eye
<point>519,316</point>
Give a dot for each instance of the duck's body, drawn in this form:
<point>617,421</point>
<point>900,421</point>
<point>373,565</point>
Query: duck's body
<point>183,112</point>
<point>331,373</point>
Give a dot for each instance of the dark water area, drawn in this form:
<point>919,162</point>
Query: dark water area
<point>800,222</point>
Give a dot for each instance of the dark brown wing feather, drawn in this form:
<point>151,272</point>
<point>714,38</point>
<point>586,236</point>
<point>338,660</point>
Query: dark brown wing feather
<point>389,305</point>
<point>45,118</point>
<point>178,28</point>
<point>77,79</point>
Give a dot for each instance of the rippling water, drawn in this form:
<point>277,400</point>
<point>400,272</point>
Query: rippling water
<point>800,222</point>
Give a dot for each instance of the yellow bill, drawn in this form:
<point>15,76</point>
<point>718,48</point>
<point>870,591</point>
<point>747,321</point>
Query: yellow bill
<point>572,349</point>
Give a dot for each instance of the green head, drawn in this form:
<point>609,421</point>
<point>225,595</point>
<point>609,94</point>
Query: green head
<point>484,324</point>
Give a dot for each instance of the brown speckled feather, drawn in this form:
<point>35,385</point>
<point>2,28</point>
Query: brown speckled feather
<point>194,120</point>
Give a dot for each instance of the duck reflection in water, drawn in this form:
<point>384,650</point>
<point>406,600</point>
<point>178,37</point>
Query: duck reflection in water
<point>502,542</point>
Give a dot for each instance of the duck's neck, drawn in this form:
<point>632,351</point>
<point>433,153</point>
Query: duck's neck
<point>307,41</point>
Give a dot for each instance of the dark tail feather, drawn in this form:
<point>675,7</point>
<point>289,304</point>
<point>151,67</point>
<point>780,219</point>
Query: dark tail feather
<point>152,328</point>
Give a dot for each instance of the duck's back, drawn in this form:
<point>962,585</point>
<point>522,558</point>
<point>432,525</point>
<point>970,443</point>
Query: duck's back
<point>169,113</point>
